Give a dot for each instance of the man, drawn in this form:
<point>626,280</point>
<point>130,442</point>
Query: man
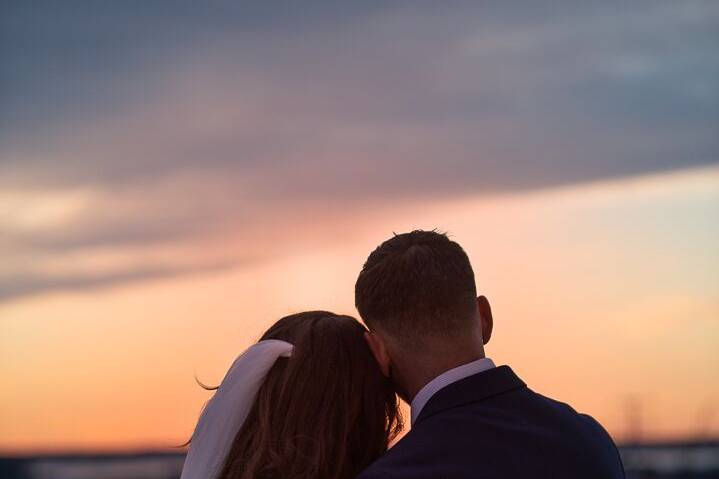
<point>470,419</point>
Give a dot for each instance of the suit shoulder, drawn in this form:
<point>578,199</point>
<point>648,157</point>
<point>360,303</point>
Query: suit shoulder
<point>408,458</point>
<point>376,472</point>
<point>382,468</point>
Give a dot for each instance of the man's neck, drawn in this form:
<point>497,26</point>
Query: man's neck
<point>418,372</point>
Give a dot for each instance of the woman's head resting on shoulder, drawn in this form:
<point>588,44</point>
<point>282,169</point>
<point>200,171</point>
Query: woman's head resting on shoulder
<point>325,412</point>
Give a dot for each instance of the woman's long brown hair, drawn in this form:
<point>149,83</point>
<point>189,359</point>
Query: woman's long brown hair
<point>327,412</point>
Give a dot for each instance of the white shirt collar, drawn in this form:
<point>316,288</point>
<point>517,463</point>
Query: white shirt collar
<point>445,379</point>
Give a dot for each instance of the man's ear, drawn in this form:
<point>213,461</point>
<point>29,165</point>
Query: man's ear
<point>379,351</point>
<point>485,318</point>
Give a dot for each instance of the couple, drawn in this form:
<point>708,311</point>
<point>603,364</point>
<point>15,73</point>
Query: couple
<point>316,397</point>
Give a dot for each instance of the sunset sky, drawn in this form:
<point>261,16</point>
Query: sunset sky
<point>175,177</point>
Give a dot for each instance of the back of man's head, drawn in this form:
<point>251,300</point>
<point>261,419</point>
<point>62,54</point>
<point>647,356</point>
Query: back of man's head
<point>418,289</point>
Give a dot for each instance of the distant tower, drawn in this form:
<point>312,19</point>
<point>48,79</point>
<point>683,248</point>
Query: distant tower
<point>705,421</point>
<point>633,417</point>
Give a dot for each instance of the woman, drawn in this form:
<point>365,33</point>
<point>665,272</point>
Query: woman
<point>308,401</point>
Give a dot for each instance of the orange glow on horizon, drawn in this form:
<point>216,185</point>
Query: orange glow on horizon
<point>598,301</point>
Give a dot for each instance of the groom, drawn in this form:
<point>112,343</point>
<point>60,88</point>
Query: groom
<point>470,418</point>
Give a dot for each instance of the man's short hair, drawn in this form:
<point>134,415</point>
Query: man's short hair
<point>417,285</point>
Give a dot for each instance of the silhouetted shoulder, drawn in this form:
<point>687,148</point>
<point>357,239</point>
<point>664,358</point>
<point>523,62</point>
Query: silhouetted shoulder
<point>415,456</point>
<point>492,426</point>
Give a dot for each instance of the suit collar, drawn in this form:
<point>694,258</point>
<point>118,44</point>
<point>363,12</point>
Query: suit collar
<point>445,379</point>
<point>471,389</point>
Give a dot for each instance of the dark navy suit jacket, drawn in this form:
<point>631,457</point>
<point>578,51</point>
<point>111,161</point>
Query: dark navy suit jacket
<point>490,425</point>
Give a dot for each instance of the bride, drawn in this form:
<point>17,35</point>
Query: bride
<point>308,401</point>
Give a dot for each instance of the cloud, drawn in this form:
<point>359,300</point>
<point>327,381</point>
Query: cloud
<point>21,286</point>
<point>477,98</point>
<point>188,122</point>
